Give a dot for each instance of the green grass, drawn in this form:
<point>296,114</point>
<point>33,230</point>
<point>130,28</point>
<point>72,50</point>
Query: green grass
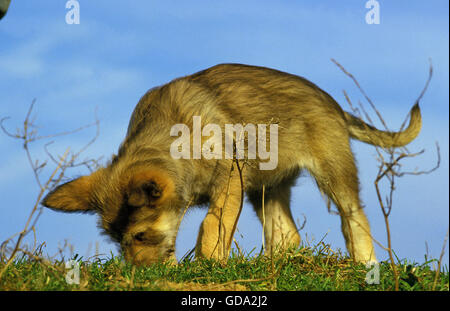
<point>304,269</point>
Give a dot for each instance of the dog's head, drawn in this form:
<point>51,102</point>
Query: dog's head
<point>138,207</point>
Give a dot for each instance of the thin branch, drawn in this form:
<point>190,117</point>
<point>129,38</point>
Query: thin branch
<point>390,166</point>
<point>28,135</point>
<point>25,230</point>
<point>438,270</point>
<point>362,92</point>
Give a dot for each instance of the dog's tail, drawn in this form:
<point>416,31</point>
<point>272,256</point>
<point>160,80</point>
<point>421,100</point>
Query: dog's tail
<point>364,132</point>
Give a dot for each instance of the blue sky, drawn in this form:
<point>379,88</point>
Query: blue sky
<point>119,51</point>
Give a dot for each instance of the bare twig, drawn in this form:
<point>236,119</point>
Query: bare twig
<point>26,229</point>
<point>438,270</point>
<point>241,204</point>
<point>362,92</point>
<point>264,218</point>
<point>29,135</point>
<point>389,167</point>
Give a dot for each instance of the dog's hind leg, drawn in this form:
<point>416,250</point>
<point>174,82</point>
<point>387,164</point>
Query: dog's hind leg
<point>274,212</point>
<point>336,175</point>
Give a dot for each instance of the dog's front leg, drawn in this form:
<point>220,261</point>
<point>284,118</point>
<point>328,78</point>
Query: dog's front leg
<point>217,229</point>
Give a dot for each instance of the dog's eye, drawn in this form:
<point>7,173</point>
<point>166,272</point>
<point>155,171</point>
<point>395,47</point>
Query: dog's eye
<point>139,237</point>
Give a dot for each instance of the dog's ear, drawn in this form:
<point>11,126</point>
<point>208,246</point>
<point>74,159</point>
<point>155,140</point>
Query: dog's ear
<point>72,196</point>
<point>149,188</point>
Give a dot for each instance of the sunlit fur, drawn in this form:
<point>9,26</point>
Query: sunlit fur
<point>142,193</point>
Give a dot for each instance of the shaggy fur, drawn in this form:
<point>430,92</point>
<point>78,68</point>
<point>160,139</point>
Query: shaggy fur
<point>142,194</point>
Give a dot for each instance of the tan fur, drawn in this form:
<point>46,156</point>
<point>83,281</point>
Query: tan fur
<point>371,135</point>
<point>217,229</point>
<point>142,194</point>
